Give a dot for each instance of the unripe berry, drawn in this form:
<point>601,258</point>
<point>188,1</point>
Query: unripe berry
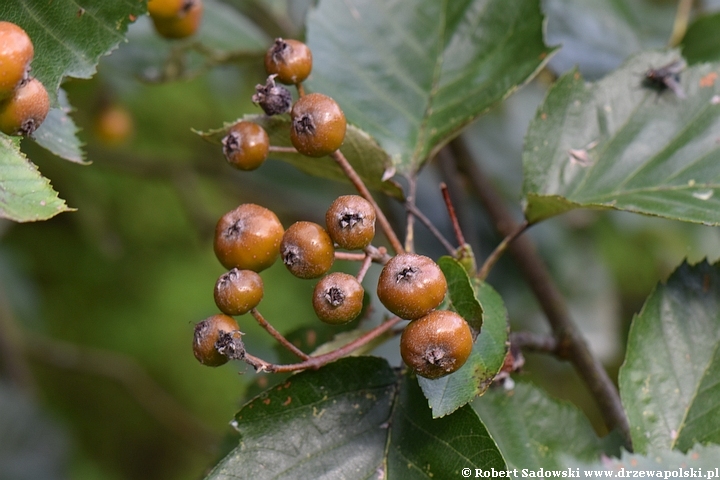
<point>290,60</point>
<point>338,298</point>
<point>437,344</point>
<point>411,285</point>
<point>307,250</point>
<point>238,291</point>
<point>248,238</point>
<point>207,333</point>
<point>23,113</point>
<point>246,145</point>
<point>318,125</point>
<point>16,53</point>
<point>351,222</point>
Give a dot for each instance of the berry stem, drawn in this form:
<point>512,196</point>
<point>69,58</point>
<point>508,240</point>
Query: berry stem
<point>300,89</point>
<point>277,335</point>
<point>364,268</point>
<point>453,216</point>
<point>321,360</point>
<point>410,221</point>
<point>278,149</point>
<point>430,226</point>
<point>352,175</point>
<point>492,259</point>
<point>351,257</point>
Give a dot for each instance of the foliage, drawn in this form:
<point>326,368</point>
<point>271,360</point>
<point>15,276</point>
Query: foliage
<point>620,180</point>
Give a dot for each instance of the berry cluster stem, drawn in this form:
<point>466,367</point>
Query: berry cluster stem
<point>314,363</point>
<point>352,175</point>
<point>277,335</point>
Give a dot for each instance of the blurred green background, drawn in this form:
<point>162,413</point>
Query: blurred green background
<point>97,306</point>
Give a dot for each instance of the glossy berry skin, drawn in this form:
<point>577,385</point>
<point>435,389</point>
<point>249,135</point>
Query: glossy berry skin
<point>16,53</point>
<point>411,285</point>
<point>175,19</point>
<point>338,298</point>
<point>207,333</point>
<point>248,238</point>
<point>238,291</point>
<point>318,125</point>
<point>437,344</point>
<point>350,221</point>
<point>246,145</point>
<point>23,113</point>
<point>307,250</point>
<point>290,60</point>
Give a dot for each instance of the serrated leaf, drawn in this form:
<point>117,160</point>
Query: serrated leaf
<point>423,447</point>
<point>367,158</point>
<point>533,430</point>
<point>670,381</point>
<point>702,40</point>
<point>447,394</point>
<point>70,37</point>
<point>598,35</point>
<point>413,74</point>
<point>616,144</point>
<point>25,195</point>
<point>698,462</point>
<point>58,133</point>
<point>353,419</point>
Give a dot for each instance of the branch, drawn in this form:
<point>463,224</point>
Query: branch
<point>569,338</point>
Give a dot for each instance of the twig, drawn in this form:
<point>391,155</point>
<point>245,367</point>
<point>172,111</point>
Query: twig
<point>364,268</point>
<point>317,362</point>
<point>352,175</point>
<point>535,342</point>
<point>279,149</point>
<point>410,217</point>
<point>277,335</point>
<point>569,338</point>
<point>300,89</point>
<point>126,371</point>
<point>351,257</point>
<point>453,216</point>
<point>492,259</point>
<point>433,229</point>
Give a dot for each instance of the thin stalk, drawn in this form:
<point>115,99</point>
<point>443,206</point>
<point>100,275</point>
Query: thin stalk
<point>492,259</point>
<point>277,335</point>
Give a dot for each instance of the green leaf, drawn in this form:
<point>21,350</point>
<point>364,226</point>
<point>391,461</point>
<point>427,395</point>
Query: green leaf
<point>413,74</point>
<point>462,294</point>
<point>536,431</point>
<point>25,195</point>
<point>670,381</point>
<point>598,35</point>
<point>70,37</point>
<point>616,144</point>
<point>366,157</point>
<point>58,132</point>
<point>422,447</point>
<point>353,419</point>
<point>700,461</point>
<point>702,40</point>
<point>447,394</point>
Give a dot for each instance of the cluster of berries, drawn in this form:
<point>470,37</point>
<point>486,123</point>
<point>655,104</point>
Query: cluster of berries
<point>250,238</point>
<point>24,102</point>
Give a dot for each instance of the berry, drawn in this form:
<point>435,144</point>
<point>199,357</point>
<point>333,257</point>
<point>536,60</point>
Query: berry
<point>16,52</point>
<point>318,125</point>
<point>207,334</point>
<point>411,285</point>
<point>290,60</point>
<point>23,113</point>
<point>351,222</point>
<point>307,250</point>
<point>273,99</point>
<point>114,125</point>
<point>338,298</point>
<point>248,238</point>
<point>246,145</point>
<point>238,291</point>
<point>437,344</point>
<point>175,19</point>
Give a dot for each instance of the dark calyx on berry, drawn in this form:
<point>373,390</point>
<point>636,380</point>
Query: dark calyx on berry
<point>273,99</point>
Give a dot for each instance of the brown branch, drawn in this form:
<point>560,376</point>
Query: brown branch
<point>321,360</point>
<point>569,338</point>
<point>433,229</point>
<point>453,216</point>
<point>534,342</point>
<point>492,259</point>
<point>277,335</point>
<point>352,175</point>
